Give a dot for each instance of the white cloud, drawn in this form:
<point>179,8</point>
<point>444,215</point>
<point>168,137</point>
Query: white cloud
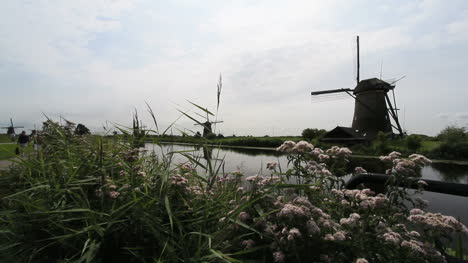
<point>271,54</point>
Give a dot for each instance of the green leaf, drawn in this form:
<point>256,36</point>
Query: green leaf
<point>201,108</point>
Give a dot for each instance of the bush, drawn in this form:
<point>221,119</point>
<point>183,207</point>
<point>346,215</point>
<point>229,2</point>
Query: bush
<point>413,142</point>
<point>81,129</point>
<point>310,134</point>
<point>381,143</point>
<point>210,136</point>
<point>453,134</point>
<point>451,151</point>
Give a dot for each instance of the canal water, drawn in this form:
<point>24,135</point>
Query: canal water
<point>252,161</point>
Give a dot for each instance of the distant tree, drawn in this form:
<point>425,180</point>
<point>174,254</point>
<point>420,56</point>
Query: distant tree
<point>210,136</point>
<point>115,133</point>
<point>81,129</point>
<point>220,136</point>
<point>381,142</point>
<point>197,135</point>
<point>453,134</point>
<point>310,134</point>
<point>413,142</point>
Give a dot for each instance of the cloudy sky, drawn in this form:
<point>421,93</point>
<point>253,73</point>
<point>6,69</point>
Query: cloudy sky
<point>95,61</point>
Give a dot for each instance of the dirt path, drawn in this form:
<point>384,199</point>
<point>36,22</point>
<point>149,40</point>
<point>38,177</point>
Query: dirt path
<point>4,164</point>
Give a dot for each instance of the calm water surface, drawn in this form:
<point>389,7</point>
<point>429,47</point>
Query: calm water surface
<point>252,162</point>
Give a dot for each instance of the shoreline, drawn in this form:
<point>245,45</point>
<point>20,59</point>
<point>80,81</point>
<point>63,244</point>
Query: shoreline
<point>456,162</point>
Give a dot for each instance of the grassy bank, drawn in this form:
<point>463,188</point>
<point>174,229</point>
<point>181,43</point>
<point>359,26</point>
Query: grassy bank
<point>430,147</point>
<point>231,141</point>
<point>4,138</point>
<point>7,151</point>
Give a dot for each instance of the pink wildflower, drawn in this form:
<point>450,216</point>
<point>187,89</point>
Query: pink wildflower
<point>312,227</point>
<point>392,237</point>
<point>294,233</point>
<point>360,170</point>
<point>248,243</point>
<point>290,211</point>
<point>302,147</point>
<point>278,257</point>
<point>419,159</point>
<point>272,165</point>
<point>340,235</point>
<point>394,155</point>
<point>113,194</point>
<point>243,217</point>
<point>286,147</point>
<point>422,183</point>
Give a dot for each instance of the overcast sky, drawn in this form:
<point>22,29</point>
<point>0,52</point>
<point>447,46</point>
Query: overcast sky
<point>95,61</point>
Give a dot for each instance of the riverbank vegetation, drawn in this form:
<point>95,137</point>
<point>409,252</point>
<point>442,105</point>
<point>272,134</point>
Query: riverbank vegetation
<point>450,144</point>
<point>88,199</point>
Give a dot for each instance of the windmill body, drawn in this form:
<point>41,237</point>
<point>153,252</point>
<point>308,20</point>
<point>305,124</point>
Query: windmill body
<point>371,113</point>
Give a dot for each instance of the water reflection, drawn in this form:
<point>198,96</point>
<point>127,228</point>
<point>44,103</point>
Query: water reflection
<point>451,173</point>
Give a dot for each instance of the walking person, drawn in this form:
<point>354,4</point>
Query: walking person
<point>23,141</point>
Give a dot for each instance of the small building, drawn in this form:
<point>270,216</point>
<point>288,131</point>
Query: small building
<point>344,135</point>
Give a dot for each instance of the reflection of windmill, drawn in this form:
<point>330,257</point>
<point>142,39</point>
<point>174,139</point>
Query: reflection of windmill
<point>11,129</point>
<point>373,109</point>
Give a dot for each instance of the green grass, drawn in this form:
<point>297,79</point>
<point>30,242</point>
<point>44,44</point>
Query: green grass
<point>427,146</point>
<point>7,151</point>
<point>4,138</point>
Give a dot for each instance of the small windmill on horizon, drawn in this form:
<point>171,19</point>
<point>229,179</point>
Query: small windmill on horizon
<point>11,129</point>
<point>374,111</point>
<point>207,123</point>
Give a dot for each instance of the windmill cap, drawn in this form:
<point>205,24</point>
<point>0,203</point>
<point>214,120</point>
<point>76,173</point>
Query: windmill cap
<point>372,84</point>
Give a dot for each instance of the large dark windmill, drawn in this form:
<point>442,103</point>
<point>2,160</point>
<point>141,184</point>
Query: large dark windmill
<point>11,129</point>
<point>373,109</point>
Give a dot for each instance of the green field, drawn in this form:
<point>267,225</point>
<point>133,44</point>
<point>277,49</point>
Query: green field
<point>7,151</point>
<point>4,138</point>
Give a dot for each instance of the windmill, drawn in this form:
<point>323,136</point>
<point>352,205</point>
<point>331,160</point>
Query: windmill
<point>207,124</point>
<point>11,129</point>
<point>373,108</point>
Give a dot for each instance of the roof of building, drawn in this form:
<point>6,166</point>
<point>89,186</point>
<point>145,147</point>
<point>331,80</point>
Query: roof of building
<point>343,133</point>
<point>372,84</point>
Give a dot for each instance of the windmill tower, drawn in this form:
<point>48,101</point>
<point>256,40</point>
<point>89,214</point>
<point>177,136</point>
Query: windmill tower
<point>373,109</point>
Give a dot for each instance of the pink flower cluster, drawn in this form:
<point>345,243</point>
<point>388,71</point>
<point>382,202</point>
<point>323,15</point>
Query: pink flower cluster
<point>179,180</point>
<point>339,151</point>
<point>271,165</point>
<point>319,169</point>
<point>352,220</point>
<point>248,243</point>
<point>292,147</point>
<point>419,159</point>
<point>436,221</point>
<point>362,198</point>
<point>286,147</point>
<point>359,170</point>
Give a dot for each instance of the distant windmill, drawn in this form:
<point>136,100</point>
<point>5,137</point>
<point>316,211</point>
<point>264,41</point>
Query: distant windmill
<point>373,109</point>
<point>207,124</point>
<point>11,129</point>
